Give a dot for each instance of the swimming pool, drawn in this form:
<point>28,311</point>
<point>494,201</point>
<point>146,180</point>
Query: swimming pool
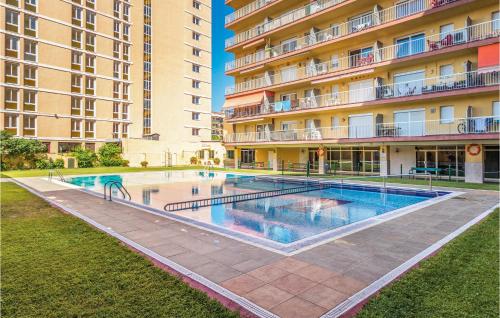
<point>282,220</point>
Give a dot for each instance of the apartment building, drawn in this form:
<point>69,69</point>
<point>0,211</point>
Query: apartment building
<point>369,87</point>
<point>85,72</point>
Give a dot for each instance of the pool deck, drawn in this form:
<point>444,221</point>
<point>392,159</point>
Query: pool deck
<point>329,280</point>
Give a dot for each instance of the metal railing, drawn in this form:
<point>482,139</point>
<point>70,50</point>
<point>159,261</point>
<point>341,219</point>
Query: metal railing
<point>58,173</point>
<point>119,186</point>
<point>195,204</point>
<point>413,46</point>
<point>376,92</point>
<point>459,126</point>
<point>246,10</point>
<point>377,17</point>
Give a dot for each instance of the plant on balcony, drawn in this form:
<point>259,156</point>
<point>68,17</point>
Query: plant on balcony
<point>85,158</point>
<point>193,160</point>
<point>144,164</point>
<point>216,161</point>
<point>19,153</point>
<point>110,155</point>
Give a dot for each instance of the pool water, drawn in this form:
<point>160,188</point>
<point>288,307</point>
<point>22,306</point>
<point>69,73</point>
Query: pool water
<point>283,219</point>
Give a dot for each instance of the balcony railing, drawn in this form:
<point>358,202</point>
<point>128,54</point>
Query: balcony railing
<point>481,31</point>
<point>418,87</point>
<point>378,17</point>
<point>459,126</point>
<point>246,10</point>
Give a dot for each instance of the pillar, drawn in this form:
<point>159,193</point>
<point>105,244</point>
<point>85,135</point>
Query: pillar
<point>384,161</point>
<point>321,163</point>
<point>474,163</point>
<point>274,161</point>
<point>236,158</point>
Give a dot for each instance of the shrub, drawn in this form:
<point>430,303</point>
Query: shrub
<point>42,164</point>
<point>144,164</point>
<point>110,155</point>
<point>49,163</point>
<point>85,158</point>
<point>58,163</point>
<point>20,153</point>
<point>216,161</point>
<point>194,160</point>
<point>125,163</point>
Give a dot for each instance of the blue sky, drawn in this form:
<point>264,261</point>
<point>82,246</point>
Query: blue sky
<point>219,57</point>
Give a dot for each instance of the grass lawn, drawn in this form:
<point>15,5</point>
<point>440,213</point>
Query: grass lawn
<point>55,265</point>
<point>460,281</point>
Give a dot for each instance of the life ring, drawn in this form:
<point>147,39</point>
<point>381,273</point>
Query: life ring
<point>474,149</point>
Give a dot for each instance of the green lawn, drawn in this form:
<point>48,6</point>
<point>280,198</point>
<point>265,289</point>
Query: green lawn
<point>54,265</point>
<point>99,170</point>
<point>460,281</point>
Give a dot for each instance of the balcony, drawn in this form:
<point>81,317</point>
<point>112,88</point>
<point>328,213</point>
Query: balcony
<point>432,43</point>
<point>246,10</point>
<point>427,87</point>
<point>461,128</point>
<point>336,31</point>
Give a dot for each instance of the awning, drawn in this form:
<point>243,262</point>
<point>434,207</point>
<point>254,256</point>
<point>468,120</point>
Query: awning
<point>488,58</point>
<point>247,100</point>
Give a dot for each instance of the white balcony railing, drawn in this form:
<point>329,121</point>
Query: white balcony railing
<point>415,46</point>
<point>458,126</point>
<point>377,92</point>
<point>246,10</point>
<point>378,17</point>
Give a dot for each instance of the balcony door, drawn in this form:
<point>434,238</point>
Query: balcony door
<point>410,45</point>
<point>361,91</point>
<point>409,84</point>
<point>410,123</point>
<point>361,126</point>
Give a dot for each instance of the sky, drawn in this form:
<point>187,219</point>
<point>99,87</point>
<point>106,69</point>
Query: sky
<point>219,56</point>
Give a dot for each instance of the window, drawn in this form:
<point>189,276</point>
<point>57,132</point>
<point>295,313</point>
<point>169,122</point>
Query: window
<point>195,100</point>
<point>11,70</point>
<point>445,72</point>
<point>90,40</point>
<point>76,125</point>
<point>126,49</point>
<point>116,130</point>
<point>125,111</point>
<point>76,58</point>
<point>31,2</point>
<point>116,69</point>
<point>335,62</point>
<point>29,122</point>
<point>90,18</point>
<point>29,97</point>
<point>126,69</point>
<point>360,126</point>
<point>125,91</point>
<point>11,95</point>
<point>11,43</point>
<point>30,73</point>
<point>361,91</point>
<point>76,36</point>
<point>408,84</point>
<point>116,49</point>
<point>76,13</point>
<point>30,22</point>
<point>90,83</point>
<point>30,50</point>
<point>361,57</point>
<point>76,81</point>
<point>196,36</point>
<point>90,107</point>
<point>335,122</point>
<point>230,154</point>
<point>195,116</point>
<point>495,16</point>
<point>445,30</point>
<point>12,18</point>
<point>126,12</point>
<point>75,105</point>
<point>196,20</point>
<point>116,8</point>
<point>289,45</point>
<point>89,127</point>
<point>10,121</point>
<point>116,110</point>
<point>90,61</point>
<point>116,27</point>
<point>410,45</point>
<point>125,130</point>
<point>409,122</point>
<point>147,29</point>
<point>447,114</point>
<point>196,5</point>
<point>196,84</point>
<point>196,68</point>
<point>126,29</point>
<point>195,131</point>
<point>116,89</point>
<point>496,109</point>
<point>196,52</point>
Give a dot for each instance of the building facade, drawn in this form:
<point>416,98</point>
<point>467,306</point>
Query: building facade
<point>217,126</point>
<point>85,72</point>
<point>368,87</point>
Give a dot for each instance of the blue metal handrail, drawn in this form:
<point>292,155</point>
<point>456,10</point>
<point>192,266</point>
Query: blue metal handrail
<point>195,204</point>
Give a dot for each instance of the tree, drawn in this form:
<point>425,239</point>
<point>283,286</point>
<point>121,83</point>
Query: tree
<point>110,155</point>
<point>19,152</point>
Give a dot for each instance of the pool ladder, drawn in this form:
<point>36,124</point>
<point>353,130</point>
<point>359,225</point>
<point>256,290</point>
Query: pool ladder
<point>109,185</point>
<point>58,173</point>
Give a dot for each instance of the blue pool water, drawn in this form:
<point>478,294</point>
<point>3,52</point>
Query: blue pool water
<point>283,219</point>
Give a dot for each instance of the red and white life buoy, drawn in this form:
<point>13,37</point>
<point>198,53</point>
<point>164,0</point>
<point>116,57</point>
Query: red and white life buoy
<point>321,151</point>
<point>474,149</point>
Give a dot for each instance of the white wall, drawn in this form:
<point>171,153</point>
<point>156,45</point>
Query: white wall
<point>405,156</point>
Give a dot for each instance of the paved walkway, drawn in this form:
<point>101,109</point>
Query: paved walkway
<point>308,284</point>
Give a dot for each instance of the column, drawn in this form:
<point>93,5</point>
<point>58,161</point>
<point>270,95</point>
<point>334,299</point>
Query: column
<point>321,162</point>
<point>236,158</point>
<point>384,161</point>
<point>474,163</point>
<point>274,162</point>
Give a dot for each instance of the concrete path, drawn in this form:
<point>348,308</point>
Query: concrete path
<point>319,281</point>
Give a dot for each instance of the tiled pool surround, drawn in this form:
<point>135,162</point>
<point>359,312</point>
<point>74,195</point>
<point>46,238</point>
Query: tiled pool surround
<point>337,199</point>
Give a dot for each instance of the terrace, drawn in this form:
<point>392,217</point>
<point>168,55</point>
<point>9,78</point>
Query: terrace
<point>398,91</point>
<point>374,57</point>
